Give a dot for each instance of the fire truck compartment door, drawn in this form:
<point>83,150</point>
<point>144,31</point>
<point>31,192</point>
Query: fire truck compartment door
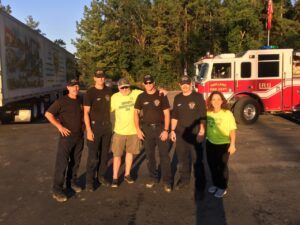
<point>244,81</point>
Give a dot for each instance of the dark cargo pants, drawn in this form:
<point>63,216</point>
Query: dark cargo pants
<point>67,158</point>
<point>98,151</point>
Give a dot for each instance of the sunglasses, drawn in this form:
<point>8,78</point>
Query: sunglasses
<point>149,82</point>
<point>125,87</point>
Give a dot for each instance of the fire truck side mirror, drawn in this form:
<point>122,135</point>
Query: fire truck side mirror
<point>198,79</point>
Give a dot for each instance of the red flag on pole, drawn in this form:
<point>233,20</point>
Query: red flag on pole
<point>269,14</point>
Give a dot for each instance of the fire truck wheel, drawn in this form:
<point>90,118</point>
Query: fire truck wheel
<point>246,110</point>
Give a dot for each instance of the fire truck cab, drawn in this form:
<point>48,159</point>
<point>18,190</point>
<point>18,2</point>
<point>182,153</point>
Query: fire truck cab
<point>255,81</point>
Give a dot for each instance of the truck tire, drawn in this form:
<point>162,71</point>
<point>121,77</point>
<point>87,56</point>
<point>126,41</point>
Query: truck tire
<point>34,111</point>
<point>41,108</point>
<point>246,111</point>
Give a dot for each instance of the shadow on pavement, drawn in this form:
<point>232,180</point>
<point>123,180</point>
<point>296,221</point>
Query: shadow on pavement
<point>137,162</point>
<point>209,209</point>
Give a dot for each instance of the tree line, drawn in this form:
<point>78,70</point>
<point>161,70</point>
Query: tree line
<point>131,38</point>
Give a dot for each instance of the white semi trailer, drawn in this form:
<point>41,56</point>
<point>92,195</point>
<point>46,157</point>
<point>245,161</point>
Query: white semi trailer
<point>33,71</point>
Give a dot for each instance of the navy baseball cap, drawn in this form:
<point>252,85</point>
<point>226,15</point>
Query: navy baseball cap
<point>99,74</point>
<point>72,82</point>
<point>148,78</point>
<point>185,80</point>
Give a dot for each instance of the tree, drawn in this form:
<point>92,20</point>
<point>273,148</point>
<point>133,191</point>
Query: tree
<point>297,10</point>
<point>6,8</point>
<point>130,38</point>
<point>60,43</point>
<point>33,24</point>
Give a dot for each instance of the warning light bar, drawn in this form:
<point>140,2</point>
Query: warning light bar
<point>269,47</point>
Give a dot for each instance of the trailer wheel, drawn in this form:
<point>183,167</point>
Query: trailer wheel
<point>246,110</point>
<point>34,111</point>
<point>41,108</point>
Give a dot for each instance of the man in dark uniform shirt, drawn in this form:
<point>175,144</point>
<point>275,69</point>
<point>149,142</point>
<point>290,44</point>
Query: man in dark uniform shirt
<point>99,129</point>
<point>68,109</point>
<point>154,130</point>
<point>187,130</point>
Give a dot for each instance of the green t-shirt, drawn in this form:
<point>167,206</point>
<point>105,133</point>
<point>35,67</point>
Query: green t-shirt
<point>124,112</point>
<point>219,126</point>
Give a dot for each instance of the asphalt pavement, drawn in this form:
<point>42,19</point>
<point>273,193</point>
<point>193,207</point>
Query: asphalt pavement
<point>263,187</point>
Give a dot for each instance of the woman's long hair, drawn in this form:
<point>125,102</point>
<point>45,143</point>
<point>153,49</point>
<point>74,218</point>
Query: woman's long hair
<point>224,105</point>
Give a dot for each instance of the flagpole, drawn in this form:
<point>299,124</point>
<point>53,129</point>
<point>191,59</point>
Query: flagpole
<point>269,18</point>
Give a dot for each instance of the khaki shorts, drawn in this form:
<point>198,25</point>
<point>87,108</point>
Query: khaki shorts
<point>129,143</point>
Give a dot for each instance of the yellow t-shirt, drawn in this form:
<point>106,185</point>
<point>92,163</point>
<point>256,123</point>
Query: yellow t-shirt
<point>124,112</point>
<point>219,126</point>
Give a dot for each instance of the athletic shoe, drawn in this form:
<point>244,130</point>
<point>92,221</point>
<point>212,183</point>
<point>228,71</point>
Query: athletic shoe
<point>103,181</point>
<point>167,188</point>
<point>129,179</point>
<point>220,193</point>
<point>114,183</point>
<point>151,183</point>
<point>212,189</point>
<point>60,197</point>
<point>76,188</point>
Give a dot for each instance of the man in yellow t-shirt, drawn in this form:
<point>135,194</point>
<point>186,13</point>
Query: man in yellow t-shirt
<point>125,135</point>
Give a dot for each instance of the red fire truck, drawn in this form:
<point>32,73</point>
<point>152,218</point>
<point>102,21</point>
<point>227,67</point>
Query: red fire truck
<point>255,81</point>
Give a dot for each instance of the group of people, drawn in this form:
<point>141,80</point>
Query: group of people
<point>141,117</point>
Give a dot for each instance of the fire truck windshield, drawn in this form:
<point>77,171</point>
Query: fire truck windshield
<point>203,69</point>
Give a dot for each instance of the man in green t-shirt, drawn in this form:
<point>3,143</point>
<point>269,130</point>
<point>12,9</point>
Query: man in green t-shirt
<point>125,135</point>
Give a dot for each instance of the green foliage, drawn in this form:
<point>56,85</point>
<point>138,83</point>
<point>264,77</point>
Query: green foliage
<point>5,8</point>
<point>60,43</point>
<point>131,38</point>
<point>30,22</point>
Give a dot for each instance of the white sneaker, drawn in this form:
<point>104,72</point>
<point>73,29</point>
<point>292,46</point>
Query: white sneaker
<point>220,193</point>
<point>212,189</point>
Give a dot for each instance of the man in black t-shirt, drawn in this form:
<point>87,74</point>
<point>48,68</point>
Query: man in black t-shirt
<point>187,130</point>
<point>154,130</point>
<point>68,109</point>
<point>99,129</point>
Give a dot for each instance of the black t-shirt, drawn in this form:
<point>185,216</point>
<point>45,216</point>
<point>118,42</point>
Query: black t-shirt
<point>189,110</point>
<point>69,113</point>
<point>99,101</point>
<point>152,106</point>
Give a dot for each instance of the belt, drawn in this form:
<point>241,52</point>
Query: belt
<point>101,123</point>
<point>154,125</point>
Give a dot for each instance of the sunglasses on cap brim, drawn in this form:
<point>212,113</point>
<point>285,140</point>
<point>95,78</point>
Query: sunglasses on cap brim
<point>124,87</point>
<point>148,82</point>
<point>188,83</point>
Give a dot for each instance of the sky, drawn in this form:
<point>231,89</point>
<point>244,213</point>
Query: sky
<point>57,18</point>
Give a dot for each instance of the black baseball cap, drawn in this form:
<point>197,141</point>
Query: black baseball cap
<point>148,78</point>
<point>99,74</point>
<point>72,82</point>
<point>185,80</point>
